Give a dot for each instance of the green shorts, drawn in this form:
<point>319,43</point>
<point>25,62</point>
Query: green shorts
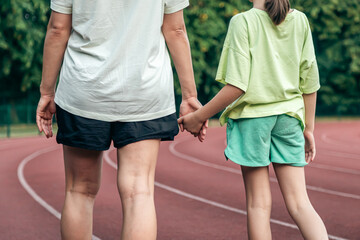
<point>257,142</point>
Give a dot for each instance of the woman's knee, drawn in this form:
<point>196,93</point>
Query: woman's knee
<point>134,187</point>
<point>85,188</point>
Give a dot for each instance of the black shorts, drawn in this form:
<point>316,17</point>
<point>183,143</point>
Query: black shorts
<point>76,131</point>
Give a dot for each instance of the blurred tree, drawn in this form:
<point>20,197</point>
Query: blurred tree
<point>207,23</point>
<point>336,31</point>
<point>22,31</point>
<point>335,25</point>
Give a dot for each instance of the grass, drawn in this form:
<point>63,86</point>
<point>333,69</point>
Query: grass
<point>27,130</point>
<point>21,130</point>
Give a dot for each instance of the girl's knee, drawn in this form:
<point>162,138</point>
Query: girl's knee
<point>262,204</point>
<point>297,206</point>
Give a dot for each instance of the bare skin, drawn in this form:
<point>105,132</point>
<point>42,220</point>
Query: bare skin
<point>82,174</point>
<point>136,161</point>
<point>135,179</point>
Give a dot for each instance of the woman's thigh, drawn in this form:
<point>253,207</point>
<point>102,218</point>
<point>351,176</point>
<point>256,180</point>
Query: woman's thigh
<point>136,165</point>
<point>82,169</point>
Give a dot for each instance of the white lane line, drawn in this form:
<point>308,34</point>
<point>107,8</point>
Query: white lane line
<point>336,169</point>
<point>346,155</point>
<point>235,171</point>
<point>209,202</point>
<point>33,194</point>
<point>325,138</point>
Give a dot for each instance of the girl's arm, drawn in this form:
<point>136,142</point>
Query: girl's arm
<point>310,105</point>
<point>227,95</point>
<point>57,36</point>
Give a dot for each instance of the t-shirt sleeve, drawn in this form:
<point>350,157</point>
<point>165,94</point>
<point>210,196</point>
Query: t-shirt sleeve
<point>61,6</point>
<point>309,73</point>
<point>234,64</point>
<point>171,6</point>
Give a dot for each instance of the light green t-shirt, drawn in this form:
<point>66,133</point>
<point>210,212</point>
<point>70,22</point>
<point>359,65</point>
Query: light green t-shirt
<point>273,65</point>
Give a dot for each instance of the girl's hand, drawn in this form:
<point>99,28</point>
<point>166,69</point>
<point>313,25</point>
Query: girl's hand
<point>192,123</point>
<point>190,105</point>
<point>310,150</point>
<point>44,114</point>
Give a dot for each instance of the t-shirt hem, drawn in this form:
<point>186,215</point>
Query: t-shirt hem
<point>61,9</point>
<point>115,118</point>
<point>310,90</point>
<point>177,7</point>
<point>233,82</point>
<point>223,120</point>
<point>228,80</point>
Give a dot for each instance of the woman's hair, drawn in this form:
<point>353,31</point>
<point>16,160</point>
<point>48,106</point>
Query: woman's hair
<point>277,10</point>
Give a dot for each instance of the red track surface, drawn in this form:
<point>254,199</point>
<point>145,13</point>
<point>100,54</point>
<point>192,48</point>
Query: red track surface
<point>202,179</point>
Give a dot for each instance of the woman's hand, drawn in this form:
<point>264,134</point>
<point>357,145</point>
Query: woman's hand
<point>44,114</point>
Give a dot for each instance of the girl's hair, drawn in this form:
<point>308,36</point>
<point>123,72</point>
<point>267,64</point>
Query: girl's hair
<point>277,10</point>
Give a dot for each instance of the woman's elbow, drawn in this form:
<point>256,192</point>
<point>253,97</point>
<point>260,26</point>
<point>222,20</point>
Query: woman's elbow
<point>58,29</point>
<point>172,33</point>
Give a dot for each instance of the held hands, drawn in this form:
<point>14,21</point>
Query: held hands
<point>187,107</point>
<point>310,150</point>
<point>192,123</point>
<point>44,114</point>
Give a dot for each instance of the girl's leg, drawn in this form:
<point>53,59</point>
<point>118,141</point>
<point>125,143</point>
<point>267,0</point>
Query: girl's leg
<point>292,183</point>
<point>83,175</point>
<point>136,173</point>
<point>258,202</point>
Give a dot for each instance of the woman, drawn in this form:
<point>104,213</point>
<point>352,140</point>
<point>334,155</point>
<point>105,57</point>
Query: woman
<point>115,85</point>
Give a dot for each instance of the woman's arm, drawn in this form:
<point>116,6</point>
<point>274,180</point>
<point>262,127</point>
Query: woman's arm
<point>57,36</point>
<point>174,31</point>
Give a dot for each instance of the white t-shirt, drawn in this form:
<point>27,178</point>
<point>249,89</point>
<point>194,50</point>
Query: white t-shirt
<point>116,66</point>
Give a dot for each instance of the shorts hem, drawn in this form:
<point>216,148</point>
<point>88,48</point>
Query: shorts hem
<point>292,164</point>
<point>245,164</point>
<point>83,146</point>
<point>162,138</point>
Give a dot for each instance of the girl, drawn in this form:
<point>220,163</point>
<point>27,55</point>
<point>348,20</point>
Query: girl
<point>269,67</point>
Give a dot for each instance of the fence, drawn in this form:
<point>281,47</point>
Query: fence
<point>16,115</point>
<point>20,119</point>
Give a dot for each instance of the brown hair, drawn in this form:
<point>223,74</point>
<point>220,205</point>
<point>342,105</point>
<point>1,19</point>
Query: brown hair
<point>277,10</point>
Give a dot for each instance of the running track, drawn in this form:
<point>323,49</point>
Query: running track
<point>198,194</point>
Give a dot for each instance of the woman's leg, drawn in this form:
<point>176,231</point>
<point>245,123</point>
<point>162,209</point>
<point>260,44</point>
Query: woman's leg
<point>258,202</point>
<point>136,173</point>
<point>292,183</point>
<point>83,176</point>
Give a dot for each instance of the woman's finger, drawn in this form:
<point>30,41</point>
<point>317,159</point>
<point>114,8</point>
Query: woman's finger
<point>38,122</point>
